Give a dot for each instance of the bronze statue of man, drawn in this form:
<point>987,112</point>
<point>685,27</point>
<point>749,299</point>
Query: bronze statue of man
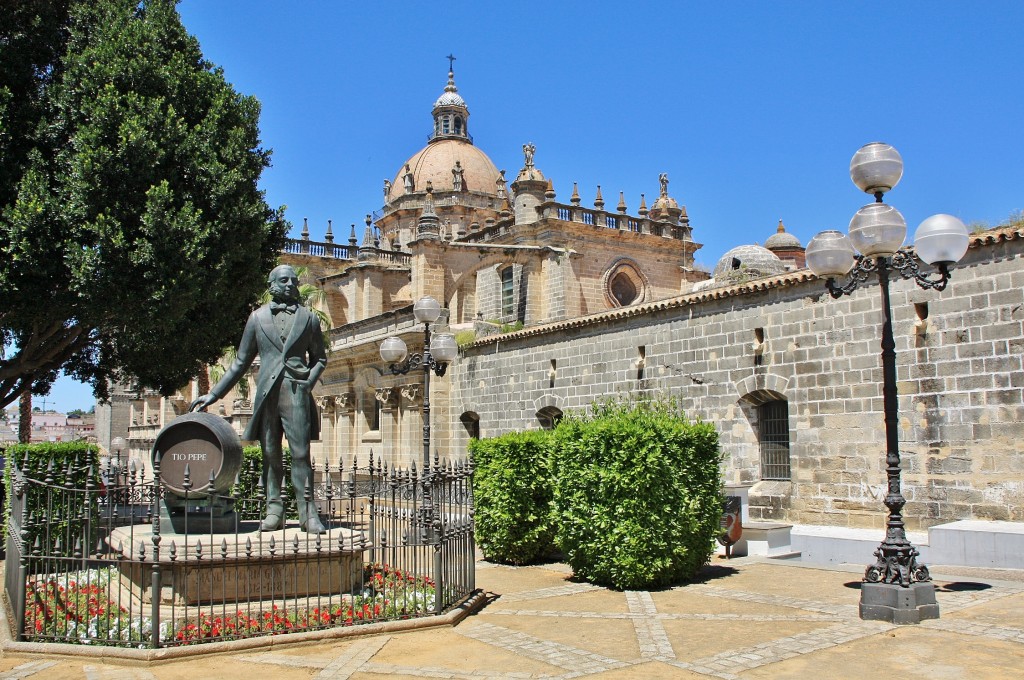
<point>289,341</point>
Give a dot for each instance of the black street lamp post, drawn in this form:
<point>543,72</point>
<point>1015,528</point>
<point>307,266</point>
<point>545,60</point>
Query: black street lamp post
<point>439,349</point>
<point>896,587</point>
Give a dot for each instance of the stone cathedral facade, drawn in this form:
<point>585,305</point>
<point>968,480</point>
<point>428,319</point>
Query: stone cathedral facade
<point>556,304</point>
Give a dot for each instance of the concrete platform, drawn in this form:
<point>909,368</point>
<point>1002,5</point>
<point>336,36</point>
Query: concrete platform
<point>843,545</point>
<point>978,543</point>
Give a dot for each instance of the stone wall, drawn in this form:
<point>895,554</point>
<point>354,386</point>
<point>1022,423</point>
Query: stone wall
<point>722,352</point>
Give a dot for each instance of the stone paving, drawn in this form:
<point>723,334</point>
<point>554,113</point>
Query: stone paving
<point>745,618</point>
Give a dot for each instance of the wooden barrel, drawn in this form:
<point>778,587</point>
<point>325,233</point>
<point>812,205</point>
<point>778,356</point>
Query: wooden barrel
<point>206,444</point>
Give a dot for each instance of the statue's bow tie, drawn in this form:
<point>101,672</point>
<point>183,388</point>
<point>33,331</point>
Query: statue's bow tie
<point>276,307</point>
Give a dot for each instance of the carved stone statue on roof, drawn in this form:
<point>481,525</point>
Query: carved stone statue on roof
<point>457,173</point>
<point>410,185</point>
<point>528,151</point>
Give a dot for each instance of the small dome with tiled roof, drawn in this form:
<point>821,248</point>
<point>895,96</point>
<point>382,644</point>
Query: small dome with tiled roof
<point>450,96</point>
<point>747,263</point>
<point>781,240</point>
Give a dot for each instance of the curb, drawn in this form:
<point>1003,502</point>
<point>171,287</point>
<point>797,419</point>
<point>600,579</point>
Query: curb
<point>453,617</point>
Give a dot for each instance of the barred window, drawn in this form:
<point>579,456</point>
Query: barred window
<point>508,298</point>
<point>773,428</point>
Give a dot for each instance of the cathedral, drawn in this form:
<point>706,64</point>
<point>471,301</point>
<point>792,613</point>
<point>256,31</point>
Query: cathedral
<point>555,305</point>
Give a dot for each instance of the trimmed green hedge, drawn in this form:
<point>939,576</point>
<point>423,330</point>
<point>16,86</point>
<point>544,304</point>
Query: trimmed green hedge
<point>512,493</point>
<point>71,464</point>
<point>636,494</point>
<point>629,493</point>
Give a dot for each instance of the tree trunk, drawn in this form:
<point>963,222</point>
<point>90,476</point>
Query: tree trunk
<point>203,381</point>
<point>25,417</point>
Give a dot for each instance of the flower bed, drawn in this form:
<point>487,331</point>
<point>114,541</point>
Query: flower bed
<point>77,608</point>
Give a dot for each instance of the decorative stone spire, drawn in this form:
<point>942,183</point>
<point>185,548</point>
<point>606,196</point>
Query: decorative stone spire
<point>621,207</point>
<point>352,237</point>
<point>305,228</point>
<point>429,225</point>
<point>575,198</point>
<point>329,236</point>
<point>451,115</point>
<point>549,194</point>
<point>368,247</point>
<point>781,228</point>
<point>599,199</point>
<point>643,206</point>
<point>376,234</point>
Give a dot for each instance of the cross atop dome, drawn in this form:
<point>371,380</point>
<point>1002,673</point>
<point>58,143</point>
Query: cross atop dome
<point>451,115</point>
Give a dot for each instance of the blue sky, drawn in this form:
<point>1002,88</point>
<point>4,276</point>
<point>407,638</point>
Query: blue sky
<point>753,109</point>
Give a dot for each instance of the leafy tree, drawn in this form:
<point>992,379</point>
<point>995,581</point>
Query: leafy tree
<point>133,237</point>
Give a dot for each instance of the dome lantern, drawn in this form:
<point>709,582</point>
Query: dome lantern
<point>451,115</point>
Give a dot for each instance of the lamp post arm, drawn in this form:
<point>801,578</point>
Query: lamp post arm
<point>906,265</point>
<point>858,275</point>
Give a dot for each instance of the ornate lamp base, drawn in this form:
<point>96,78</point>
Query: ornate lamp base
<point>898,604</point>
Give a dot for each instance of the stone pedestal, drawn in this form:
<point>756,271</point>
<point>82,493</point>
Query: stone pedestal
<point>248,566</point>
<point>896,604</point>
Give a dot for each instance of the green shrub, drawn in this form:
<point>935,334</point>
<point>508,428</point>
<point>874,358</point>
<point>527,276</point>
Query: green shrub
<point>49,519</point>
<point>251,503</point>
<point>636,494</point>
<point>512,494</point>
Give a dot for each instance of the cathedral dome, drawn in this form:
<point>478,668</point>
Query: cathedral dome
<point>435,162</point>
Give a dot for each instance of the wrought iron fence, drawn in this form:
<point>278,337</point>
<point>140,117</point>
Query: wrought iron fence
<point>104,565</point>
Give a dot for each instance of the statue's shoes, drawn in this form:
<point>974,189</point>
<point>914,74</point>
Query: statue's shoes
<point>272,523</point>
<point>313,526</point>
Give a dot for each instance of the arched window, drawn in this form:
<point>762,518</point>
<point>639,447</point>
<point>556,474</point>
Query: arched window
<point>773,433</point>
<point>458,125</point>
<point>548,417</point>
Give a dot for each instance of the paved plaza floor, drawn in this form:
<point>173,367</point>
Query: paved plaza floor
<point>745,618</point>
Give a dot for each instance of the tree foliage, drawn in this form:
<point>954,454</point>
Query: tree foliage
<point>133,237</point>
